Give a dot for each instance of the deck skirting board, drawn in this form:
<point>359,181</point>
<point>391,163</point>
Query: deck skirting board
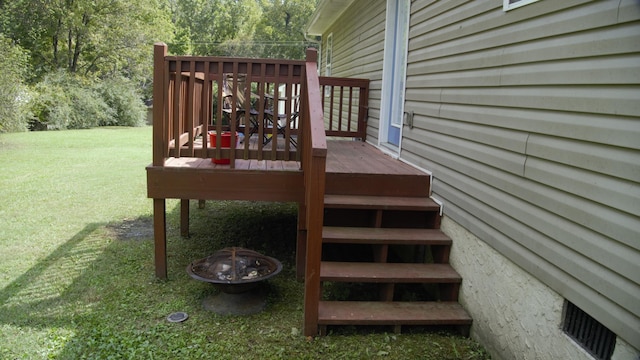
<point>212,184</point>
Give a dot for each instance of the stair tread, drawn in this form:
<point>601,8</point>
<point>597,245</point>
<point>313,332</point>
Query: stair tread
<point>388,272</point>
<point>380,202</point>
<point>391,313</point>
<point>363,235</point>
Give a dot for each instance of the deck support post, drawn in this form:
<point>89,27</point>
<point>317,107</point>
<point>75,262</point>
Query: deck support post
<point>184,218</point>
<point>160,237</point>
<point>301,244</point>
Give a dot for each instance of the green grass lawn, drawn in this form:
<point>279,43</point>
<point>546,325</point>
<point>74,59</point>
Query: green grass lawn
<point>77,276</point>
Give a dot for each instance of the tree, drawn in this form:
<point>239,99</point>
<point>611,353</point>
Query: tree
<point>241,28</point>
<point>87,36</point>
<point>210,23</point>
<point>281,29</point>
<point>14,95</point>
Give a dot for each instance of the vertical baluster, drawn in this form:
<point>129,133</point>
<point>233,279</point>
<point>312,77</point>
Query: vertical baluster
<point>350,108</point>
<point>205,108</point>
<point>177,88</point>
<point>190,104</point>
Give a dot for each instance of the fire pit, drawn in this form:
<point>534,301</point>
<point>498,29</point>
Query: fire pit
<point>237,273</point>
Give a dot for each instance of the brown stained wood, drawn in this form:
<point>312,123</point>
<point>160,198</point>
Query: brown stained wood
<point>160,237</point>
<point>380,202</point>
<point>359,235</point>
<point>164,182</point>
<point>388,272</point>
<point>184,218</point>
<point>159,86</point>
<point>391,313</point>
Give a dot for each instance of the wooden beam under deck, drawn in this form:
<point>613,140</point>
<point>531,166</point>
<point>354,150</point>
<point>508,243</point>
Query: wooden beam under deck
<point>350,165</point>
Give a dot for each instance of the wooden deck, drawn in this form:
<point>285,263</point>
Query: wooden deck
<point>349,193</point>
<point>351,165</point>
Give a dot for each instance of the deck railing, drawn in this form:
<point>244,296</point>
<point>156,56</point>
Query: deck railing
<point>345,103</point>
<point>258,101</point>
<point>314,168</point>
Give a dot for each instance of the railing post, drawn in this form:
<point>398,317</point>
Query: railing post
<point>159,207</point>
<point>314,168</point>
<point>159,85</point>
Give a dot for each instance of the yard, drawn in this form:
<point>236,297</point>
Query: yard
<point>77,272</point>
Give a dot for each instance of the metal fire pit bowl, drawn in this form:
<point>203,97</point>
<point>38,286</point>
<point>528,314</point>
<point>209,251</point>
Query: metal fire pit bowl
<point>237,273</point>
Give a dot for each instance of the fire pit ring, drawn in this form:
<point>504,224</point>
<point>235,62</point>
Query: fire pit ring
<point>237,273</point>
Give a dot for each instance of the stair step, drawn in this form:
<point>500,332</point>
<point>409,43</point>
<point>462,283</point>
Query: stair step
<point>380,202</point>
<point>388,272</point>
<point>379,236</point>
<point>391,313</point>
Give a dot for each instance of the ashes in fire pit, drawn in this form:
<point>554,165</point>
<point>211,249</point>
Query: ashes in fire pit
<point>235,271</point>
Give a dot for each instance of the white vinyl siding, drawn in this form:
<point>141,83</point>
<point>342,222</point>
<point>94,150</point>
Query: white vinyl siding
<point>358,45</point>
<point>529,121</point>
<point>513,4</point>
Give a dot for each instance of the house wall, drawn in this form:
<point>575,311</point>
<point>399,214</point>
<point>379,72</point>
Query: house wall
<point>529,121</point>
<point>358,46</point>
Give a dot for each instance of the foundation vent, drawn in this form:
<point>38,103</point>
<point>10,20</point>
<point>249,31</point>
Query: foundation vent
<point>588,332</point>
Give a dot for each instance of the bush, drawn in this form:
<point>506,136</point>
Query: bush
<point>122,97</point>
<point>14,95</point>
<point>65,101</point>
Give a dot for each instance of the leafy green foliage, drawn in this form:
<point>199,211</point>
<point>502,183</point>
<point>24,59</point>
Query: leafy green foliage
<point>87,36</point>
<point>123,100</point>
<point>14,114</point>
<point>66,101</point>
<point>241,28</point>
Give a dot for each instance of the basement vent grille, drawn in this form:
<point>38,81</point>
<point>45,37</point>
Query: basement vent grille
<point>588,332</point>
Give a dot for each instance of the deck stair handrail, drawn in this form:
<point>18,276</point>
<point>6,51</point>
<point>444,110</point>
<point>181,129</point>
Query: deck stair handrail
<point>314,168</point>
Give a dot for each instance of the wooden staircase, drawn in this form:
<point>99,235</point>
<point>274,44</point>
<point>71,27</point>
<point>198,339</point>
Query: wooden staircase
<point>386,238</point>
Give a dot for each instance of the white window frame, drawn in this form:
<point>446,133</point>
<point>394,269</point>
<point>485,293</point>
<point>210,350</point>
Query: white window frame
<point>328,55</point>
<point>514,4</point>
<point>328,62</point>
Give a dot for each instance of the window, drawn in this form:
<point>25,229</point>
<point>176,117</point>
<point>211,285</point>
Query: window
<point>512,4</point>
<point>588,332</point>
<point>327,63</point>
<point>329,55</point>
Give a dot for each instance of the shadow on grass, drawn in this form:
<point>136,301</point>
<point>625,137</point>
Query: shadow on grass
<point>96,297</point>
<point>96,294</point>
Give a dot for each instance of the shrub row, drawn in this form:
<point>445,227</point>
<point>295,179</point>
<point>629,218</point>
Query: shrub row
<point>63,101</point>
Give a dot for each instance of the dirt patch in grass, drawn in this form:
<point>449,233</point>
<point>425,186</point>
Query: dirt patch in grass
<point>133,229</point>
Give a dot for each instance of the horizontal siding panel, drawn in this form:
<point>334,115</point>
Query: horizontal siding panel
<point>515,141</point>
<point>499,159</point>
<point>585,269</point>
<point>589,238</point>
<point>423,95</point>
<point>476,78</point>
<point>617,162</point>
<point>604,42</point>
<point>609,313</point>
<point>560,78</point>
<point>423,108</point>
<point>358,48</point>
<point>602,99</point>
<point>604,129</point>
<point>457,15</point>
<point>446,42</point>
<point>629,11</point>
<point>429,11</point>
<point>622,69</point>
<point>606,190</point>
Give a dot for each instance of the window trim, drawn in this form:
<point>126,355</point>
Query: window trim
<point>507,5</point>
<point>328,62</point>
